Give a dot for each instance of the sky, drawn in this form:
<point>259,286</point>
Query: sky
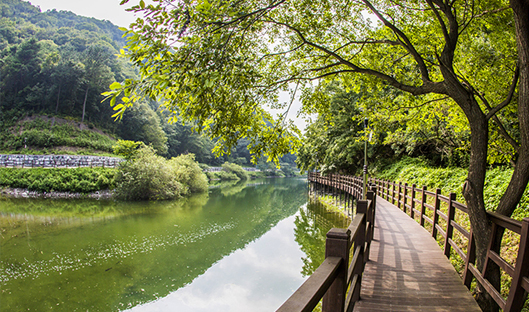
<point>100,9</point>
<point>112,10</point>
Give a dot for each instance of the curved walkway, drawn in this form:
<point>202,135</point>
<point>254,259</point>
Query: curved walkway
<point>407,270</point>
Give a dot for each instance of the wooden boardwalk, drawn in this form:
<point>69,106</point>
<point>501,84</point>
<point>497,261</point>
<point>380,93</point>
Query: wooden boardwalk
<point>407,270</point>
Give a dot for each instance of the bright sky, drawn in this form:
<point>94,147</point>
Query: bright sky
<point>100,9</point>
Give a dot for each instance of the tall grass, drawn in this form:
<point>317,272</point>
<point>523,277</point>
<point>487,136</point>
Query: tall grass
<point>40,134</point>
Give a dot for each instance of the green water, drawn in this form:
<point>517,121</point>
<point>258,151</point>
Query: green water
<point>242,247</point>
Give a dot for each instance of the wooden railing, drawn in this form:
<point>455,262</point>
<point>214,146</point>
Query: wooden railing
<point>339,271</point>
<point>416,202</point>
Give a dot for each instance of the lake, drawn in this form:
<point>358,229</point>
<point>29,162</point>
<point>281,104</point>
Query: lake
<point>241,247</point>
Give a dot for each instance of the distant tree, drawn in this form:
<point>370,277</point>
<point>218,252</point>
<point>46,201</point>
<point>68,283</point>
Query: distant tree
<point>96,70</point>
<point>143,124</point>
<point>20,75</point>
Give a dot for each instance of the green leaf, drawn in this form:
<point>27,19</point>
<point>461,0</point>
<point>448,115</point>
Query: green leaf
<point>118,107</point>
<point>118,115</point>
<point>115,85</point>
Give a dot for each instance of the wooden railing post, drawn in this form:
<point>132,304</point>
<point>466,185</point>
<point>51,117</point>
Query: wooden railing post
<point>412,204</point>
<point>449,228</point>
<point>337,245</point>
<point>517,293</point>
<point>393,193</point>
<point>435,215</point>
<point>404,198</point>
<point>371,219</point>
<point>398,195</point>
<point>360,240</point>
<point>423,206</point>
<point>387,191</point>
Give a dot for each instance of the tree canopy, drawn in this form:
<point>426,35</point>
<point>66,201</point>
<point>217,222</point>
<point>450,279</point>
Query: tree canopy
<point>220,63</point>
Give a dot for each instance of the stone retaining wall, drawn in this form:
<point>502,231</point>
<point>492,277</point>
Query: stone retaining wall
<point>58,161</point>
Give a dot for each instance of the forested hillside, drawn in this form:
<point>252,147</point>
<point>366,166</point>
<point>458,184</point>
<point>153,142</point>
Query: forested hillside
<point>54,66</point>
<point>58,62</point>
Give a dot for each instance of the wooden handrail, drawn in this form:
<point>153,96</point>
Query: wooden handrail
<point>337,273</point>
<point>519,272</point>
<point>416,201</point>
<point>309,294</point>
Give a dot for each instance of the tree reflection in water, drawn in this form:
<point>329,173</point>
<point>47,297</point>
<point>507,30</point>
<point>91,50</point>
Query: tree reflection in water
<point>312,224</point>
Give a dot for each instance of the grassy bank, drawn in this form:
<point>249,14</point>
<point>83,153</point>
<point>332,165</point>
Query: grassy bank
<point>145,176</point>
<point>77,180</point>
<point>417,171</point>
<point>45,135</point>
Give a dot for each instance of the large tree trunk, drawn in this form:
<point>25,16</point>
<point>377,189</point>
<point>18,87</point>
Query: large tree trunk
<point>473,189</point>
<point>473,192</point>
<point>520,176</point>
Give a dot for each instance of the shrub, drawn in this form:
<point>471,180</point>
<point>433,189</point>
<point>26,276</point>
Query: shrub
<point>235,169</point>
<point>126,148</point>
<point>148,176</point>
<point>227,176</point>
<point>188,172</point>
<point>222,176</point>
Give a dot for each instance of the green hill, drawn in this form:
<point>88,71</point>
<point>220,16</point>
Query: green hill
<point>54,66</point>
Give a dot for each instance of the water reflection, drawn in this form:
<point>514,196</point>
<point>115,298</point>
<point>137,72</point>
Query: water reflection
<point>312,225</point>
<point>259,277</point>
<point>106,256</point>
<point>242,247</point>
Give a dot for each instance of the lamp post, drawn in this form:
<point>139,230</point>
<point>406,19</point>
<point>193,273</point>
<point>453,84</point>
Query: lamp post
<point>364,189</point>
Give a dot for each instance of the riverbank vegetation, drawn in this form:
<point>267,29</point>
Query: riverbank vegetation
<point>451,179</point>
<point>76,180</point>
<point>148,176</point>
<point>145,176</point>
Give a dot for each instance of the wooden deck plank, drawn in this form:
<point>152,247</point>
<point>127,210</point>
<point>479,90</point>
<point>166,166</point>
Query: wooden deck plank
<point>407,270</point>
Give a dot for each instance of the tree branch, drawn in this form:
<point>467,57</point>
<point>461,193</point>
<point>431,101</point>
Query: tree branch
<point>439,19</point>
<point>420,105</point>
<point>501,129</point>
<point>221,24</point>
<point>506,102</point>
<point>280,53</point>
<point>406,43</point>
<point>427,87</point>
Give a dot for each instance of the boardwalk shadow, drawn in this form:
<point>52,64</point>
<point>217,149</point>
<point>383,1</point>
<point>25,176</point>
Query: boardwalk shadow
<point>407,270</point>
